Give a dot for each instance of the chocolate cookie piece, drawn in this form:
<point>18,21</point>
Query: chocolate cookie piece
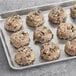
<point>35,18</point>
<point>20,39</point>
<point>57,15</point>
<point>50,51</point>
<point>66,31</point>
<point>24,56</point>
<point>73,11</point>
<point>13,23</point>
<point>70,47</point>
<point>42,34</point>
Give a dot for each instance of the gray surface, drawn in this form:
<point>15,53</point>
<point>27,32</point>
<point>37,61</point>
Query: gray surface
<point>67,68</point>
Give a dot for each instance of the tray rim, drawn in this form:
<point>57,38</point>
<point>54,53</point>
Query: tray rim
<point>35,65</point>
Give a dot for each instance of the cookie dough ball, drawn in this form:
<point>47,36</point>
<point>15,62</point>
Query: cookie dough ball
<point>65,31</point>
<point>24,56</point>
<point>50,51</point>
<point>20,39</point>
<point>13,23</point>
<point>42,34</point>
<point>70,47</point>
<point>73,11</point>
<point>57,15</point>
<point>35,18</point>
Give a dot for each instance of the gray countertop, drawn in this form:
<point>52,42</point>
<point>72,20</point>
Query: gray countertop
<point>66,68</point>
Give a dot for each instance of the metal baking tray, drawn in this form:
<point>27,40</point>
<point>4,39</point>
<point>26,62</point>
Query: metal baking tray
<point>10,50</point>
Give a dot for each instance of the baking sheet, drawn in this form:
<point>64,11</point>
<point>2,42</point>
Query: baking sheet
<point>10,51</point>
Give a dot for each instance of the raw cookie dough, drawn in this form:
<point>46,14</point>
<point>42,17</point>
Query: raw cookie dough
<point>24,56</point>
<point>70,47</point>
<point>73,11</point>
<point>65,31</point>
<point>50,51</point>
<point>57,15</point>
<point>13,23</point>
<point>35,18</point>
<point>42,34</point>
<point>20,39</point>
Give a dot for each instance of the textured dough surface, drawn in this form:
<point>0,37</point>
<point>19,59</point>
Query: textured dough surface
<point>20,39</point>
<point>24,56</point>
<point>35,18</point>
<point>73,11</point>
<point>13,23</point>
<point>70,47</point>
<point>50,51</point>
<point>57,15</point>
<point>42,34</point>
<point>66,31</point>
